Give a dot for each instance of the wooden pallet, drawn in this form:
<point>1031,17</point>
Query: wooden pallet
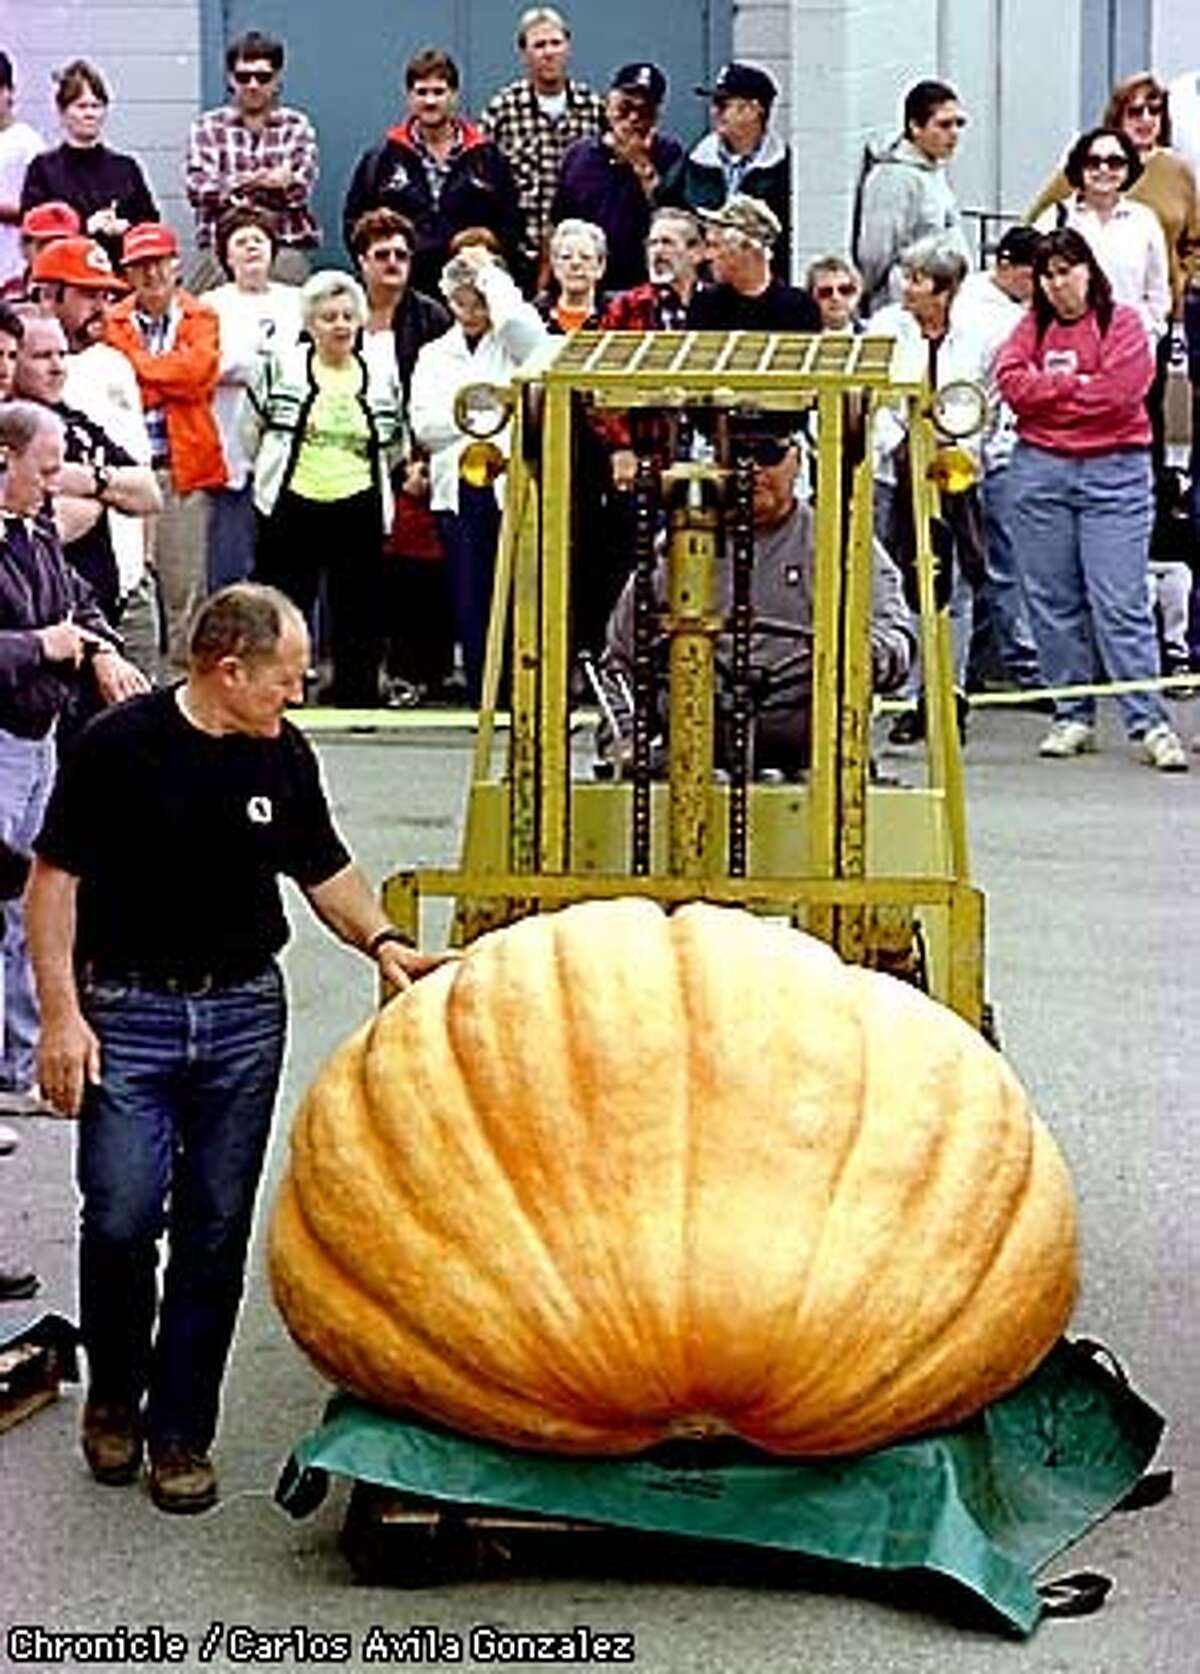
<point>33,1365</point>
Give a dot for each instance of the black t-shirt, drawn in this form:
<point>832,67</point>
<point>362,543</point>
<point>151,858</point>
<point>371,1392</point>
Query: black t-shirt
<point>86,443</point>
<point>178,839</point>
<point>779,308</point>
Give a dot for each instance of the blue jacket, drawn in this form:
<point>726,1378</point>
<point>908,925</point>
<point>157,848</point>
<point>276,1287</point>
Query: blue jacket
<point>37,589</point>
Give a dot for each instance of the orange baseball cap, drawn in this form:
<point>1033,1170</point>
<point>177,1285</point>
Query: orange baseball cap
<point>77,261</point>
<point>147,241</point>
<point>50,220</point>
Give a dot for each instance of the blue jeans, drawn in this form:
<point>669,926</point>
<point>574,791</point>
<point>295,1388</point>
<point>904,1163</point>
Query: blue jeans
<point>1082,527</point>
<point>1004,588</point>
<point>469,537</point>
<point>232,535</point>
<point>27,768</point>
<point>172,1140</point>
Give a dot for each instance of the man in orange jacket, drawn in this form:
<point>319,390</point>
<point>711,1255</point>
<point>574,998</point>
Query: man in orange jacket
<point>171,340</point>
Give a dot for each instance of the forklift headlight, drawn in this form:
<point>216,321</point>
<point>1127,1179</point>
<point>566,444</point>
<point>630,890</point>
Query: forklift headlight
<point>482,410</point>
<point>960,409</point>
<point>480,463</point>
<point>953,470</point>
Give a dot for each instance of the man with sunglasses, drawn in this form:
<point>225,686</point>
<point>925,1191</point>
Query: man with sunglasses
<point>904,195</point>
<point>253,153</point>
<point>835,287</point>
<point>781,641</point>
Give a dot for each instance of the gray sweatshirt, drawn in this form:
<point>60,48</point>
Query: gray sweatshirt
<point>905,197</point>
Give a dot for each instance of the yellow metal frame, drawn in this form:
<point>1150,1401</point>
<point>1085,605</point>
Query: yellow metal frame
<point>857,864</point>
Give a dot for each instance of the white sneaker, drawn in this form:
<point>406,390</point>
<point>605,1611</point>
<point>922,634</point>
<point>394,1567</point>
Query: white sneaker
<point>1161,748</point>
<point>1068,738</point>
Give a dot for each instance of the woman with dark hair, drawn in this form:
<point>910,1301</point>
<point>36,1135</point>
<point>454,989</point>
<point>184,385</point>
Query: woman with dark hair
<point>106,189</point>
<point>1139,108</point>
<point>1101,167</point>
<point>1075,372</point>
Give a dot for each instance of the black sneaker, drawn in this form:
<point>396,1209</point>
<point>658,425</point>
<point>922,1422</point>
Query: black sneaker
<point>909,726</point>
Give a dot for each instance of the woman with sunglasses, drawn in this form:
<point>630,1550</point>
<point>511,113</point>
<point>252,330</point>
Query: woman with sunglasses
<point>1101,168</point>
<point>106,189</point>
<point>1075,373</point>
<point>1139,108</point>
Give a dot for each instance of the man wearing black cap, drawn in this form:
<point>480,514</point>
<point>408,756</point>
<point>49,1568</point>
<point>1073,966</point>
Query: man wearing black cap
<point>739,154</point>
<point>617,180</point>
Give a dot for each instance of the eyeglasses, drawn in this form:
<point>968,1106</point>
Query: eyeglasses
<point>245,77</point>
<point>390,254</point>
<point>1144,107</point>
<point>1105,160</point>
<point>844,287</point>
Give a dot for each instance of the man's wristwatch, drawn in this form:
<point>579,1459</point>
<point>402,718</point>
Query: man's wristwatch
<point>103,478</point>
<point>382,937</point>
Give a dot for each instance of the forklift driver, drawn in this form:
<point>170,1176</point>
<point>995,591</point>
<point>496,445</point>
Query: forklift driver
<point>780,637</point>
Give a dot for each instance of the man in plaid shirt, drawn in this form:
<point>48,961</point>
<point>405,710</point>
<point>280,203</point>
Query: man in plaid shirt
<point>534,120</point>
<point>254,153</point>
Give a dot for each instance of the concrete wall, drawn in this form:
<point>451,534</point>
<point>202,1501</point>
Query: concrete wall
<point>148,53</point>
<point>845,65</point>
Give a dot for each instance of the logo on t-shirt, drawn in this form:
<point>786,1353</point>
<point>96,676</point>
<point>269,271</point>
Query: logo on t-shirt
<point>259,810</point>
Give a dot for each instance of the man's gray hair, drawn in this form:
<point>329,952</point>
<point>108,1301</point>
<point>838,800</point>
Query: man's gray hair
<point>574,227</point>
<point>684,218</point>
<point>245,620</point>
<point>831,264</point>
<point>939,259</point>
<point>21,422</point>
<point>324,286</point>
<point>533,15</point>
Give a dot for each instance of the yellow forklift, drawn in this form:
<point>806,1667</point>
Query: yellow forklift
<point>880,870</point>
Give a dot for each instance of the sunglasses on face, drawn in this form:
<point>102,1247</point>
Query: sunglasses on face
<point>844,287</point>
<point>765,451</point>
<point>390,255</point>
<point>1145,107</point>
<point>261,77</point>
<point>1105,160</point>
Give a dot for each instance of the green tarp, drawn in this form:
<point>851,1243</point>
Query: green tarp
<point>986,1504</point>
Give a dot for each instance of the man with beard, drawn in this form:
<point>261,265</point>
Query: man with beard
<point>74,280</point>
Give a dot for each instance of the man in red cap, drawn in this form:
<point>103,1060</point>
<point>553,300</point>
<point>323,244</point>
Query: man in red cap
<point>74,280</point>
<point>173,343</point>
<point>39,228</point>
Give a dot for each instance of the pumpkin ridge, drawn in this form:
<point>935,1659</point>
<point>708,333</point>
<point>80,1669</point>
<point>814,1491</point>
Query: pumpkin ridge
<point>523,1206</point>
<point>644,1338</point>
<point>888,1385</point>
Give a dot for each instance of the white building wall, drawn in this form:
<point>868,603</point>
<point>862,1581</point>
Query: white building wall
<point>148,52</point>
<point>1176,37</point>
<point>844,66</point>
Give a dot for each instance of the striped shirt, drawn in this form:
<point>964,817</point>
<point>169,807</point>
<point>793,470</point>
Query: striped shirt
<point>223,150</point>
<point>535,142</point>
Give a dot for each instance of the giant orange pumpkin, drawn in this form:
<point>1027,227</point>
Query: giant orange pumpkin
<point>618,1176</point>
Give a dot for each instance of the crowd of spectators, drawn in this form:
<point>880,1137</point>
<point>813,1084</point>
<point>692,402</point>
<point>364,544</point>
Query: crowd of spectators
<point>256,419</point>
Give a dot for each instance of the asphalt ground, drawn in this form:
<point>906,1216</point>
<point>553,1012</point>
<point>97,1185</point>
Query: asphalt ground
<point>1093,931</point>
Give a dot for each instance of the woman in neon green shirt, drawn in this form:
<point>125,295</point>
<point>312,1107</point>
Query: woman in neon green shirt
<point>325,429</point>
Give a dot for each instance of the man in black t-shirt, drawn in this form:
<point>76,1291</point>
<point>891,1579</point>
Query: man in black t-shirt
<point>154,940</point>
<point>745,295</point>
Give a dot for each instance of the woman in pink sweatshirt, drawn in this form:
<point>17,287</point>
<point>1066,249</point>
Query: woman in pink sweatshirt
<point>1075,372</point>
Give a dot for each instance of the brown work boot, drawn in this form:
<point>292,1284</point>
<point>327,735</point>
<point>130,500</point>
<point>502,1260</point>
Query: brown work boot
<point>181,1480</point>
<point>112,1442</point>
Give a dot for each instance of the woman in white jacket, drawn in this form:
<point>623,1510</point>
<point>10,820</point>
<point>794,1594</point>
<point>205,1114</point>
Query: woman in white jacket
<point>495,332</point>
